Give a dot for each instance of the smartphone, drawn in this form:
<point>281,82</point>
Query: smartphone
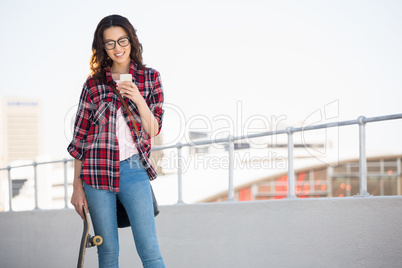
<point>126,77</point>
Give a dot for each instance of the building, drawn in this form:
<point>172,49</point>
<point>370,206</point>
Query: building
<point>384,177</point>
<point>20,129</point>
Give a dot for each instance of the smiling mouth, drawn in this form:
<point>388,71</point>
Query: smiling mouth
<point>119,55</point>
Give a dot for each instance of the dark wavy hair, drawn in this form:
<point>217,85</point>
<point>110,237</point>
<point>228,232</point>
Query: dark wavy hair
<point>99,59</point>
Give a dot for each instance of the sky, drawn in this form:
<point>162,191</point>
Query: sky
<point>274,63</point>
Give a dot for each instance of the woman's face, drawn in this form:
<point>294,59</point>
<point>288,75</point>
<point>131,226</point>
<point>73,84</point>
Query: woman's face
<point>117,45</point>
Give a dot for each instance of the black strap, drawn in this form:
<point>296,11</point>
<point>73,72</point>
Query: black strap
<point>127,109</point>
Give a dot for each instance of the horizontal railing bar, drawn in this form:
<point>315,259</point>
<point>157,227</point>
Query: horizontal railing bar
<point>38,163</point>
<point>205,142</point>
<point>259,135</point>
<point>382,118</point>
<point>327,125</point>
<point>163,147</point>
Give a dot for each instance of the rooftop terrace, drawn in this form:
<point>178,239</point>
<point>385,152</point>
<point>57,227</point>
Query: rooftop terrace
<point>318,232</point>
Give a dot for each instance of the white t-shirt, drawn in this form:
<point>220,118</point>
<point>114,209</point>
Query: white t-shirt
<point>127,146</point>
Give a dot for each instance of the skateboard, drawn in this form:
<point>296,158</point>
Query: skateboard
<point>87,241</point>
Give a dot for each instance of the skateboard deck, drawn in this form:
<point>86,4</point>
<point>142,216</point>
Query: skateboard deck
<point>87,241</point>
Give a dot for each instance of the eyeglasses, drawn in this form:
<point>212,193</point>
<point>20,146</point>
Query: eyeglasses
<point>123,42</point>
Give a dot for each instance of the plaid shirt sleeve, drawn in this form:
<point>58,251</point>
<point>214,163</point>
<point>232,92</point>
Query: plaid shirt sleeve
<point>150,86</point>
<point>156,100</point>
<point>81,126</point>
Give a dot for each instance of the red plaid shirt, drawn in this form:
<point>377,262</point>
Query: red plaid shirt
<point>95,141</point>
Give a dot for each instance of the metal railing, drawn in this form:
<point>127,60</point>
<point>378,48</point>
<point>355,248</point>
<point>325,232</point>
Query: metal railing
<point>35,177</point>
<point>361,122</point>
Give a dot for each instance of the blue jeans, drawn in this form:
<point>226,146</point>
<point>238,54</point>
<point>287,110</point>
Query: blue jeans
<point>135,195</point>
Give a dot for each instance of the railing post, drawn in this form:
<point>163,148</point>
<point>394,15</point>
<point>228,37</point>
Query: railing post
<point>291,173</point>
<point>35,165</point>
<point>231,167</point>
<point>362,157</point>
<point>179,173</point>
<point>10,189</point>
<point>398,174</point>
<point>65,184</point>
<point>330,173</point>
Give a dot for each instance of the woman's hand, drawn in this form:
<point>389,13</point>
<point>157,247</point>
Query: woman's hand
<point>130,90</point>
<point>78,199</point>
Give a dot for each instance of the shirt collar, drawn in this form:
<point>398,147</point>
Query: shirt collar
<point>133,69</point>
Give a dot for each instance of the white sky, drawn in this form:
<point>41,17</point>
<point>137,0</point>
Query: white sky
<point>276,58</point>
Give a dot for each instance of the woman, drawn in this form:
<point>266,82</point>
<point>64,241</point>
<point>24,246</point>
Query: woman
<point>111,157</point>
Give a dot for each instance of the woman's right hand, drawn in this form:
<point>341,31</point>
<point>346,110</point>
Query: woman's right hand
<point>78,199</point>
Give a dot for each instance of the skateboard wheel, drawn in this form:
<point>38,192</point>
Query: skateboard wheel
<point>97,240</point>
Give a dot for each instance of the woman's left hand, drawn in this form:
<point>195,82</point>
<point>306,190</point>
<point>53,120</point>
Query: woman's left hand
<point>130,90</point>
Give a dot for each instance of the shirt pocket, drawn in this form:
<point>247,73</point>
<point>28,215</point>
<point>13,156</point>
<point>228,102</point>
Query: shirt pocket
<point>102,113</point>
